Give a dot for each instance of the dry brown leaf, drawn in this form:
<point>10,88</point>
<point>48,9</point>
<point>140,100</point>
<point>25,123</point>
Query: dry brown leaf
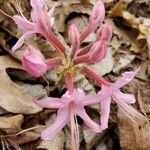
<point>13,122</point>
<point>13,98</point>
<point>131,137</point>
<point>26,137</point>
<point>118,9</point>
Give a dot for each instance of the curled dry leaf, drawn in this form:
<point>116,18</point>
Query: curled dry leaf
<point>13,97</point>
<point>131,136</point>
<point>13,122</point>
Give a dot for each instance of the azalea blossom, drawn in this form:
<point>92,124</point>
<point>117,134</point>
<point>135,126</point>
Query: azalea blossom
<point>111,91</point>
<point>96,50</point>
<point>69,106</point>
<point>35,63</point>
<point>42,22</point>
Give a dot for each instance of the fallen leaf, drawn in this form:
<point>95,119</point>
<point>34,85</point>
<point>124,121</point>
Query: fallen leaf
<point>13,122</point>
<point>131,136</point>
<point>36,90</point>
<point>13,97</point>
<point>125,60</point>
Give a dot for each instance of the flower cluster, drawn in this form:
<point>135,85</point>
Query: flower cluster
<point>72,103</point>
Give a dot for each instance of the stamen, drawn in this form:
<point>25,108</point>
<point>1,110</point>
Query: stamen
<point>74,129</point>
<point>18,5</point>
<point>5,13</point>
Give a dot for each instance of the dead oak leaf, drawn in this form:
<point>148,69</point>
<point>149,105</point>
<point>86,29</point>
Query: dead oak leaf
<point>13,122</point>
<point>14,98</point>
<point>131,136</point>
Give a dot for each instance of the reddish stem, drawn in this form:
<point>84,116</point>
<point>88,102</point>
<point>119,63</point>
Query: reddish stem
<point>69,82</point>
<point>99,79</point>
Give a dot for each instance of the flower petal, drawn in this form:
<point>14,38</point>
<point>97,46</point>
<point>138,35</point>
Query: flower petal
<point>105,110</point>
<point>104,32</point>
<point>89,122</point>
<point>74,37</point>
<point>34,63</point>
<point>50,102</point>
<point>23,23</point>
<point>61,120</point>
<point>96,18</point>
<point>20,42</point>
<point>90,100</point>
<point>97,52</point>
<point>124,79</point>
<point>127,98</point>
<point>98,13</point>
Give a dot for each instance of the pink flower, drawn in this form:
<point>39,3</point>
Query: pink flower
<point>69,106</point>
<point>96,19</point>
<point>111,91</point>
<point>97,50</point>
<point>42,21</point>
<point>123,100</point>
<point>35,63</point>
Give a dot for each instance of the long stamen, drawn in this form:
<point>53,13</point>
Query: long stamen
<point>74,129</point>
<point>99,79</point>
<point>5,13</point>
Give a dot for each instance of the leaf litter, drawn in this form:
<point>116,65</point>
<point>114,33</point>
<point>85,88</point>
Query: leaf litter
<point>129,47</point>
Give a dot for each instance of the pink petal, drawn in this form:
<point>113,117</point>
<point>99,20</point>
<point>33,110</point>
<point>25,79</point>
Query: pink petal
<point>105,110</point>
<point>98,13</point>
<point>23,23</point>
<point>125,78</point>
<point>104,32</point>
<point>97,52</point>
<point>37,4</point>
<point>24,37</point>
<point>34,63</point>
<point>96,18</point>
<point>50,103</point>
<point>81,59</point>
<point>90,100</point>
<point>53,62</point>
<point>94,126</point>
<point>74,36</point>
<point>127,98</point>
<point>61,120</point>
<point>85,50</point>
